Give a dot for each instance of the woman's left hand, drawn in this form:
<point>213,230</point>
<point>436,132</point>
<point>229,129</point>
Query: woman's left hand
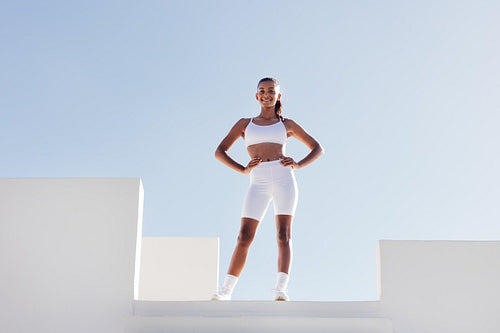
<point>288,161</point>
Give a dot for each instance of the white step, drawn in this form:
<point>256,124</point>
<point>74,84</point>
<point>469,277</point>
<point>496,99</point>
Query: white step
<point>258,316</point>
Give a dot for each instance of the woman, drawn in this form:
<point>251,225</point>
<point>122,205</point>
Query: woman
<point>271,178</point>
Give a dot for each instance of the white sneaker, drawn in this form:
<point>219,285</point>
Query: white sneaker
<point>220,296</point>
<point>280,295</point>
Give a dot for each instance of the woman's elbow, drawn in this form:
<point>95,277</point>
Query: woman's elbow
<point>219,152</point>
<point>320,149</point>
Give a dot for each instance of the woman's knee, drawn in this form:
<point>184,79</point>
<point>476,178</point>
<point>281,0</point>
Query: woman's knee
<point>247,233</point>
<point>284,229</point>
<point>245,237</point>
<point>284,236</point>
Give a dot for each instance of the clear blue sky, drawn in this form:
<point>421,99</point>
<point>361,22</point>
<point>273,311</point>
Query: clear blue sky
<point>403,95</point>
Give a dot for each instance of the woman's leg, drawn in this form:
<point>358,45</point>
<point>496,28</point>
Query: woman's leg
<point>284,238</point>
<point>247,233</point>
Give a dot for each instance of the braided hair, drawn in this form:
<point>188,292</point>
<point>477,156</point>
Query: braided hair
<point>279,106</point>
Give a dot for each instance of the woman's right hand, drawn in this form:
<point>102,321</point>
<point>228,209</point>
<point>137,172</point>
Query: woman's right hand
<point>252,164</point>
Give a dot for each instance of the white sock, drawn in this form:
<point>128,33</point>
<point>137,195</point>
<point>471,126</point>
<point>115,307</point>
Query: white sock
<point>281,281</point>
<point>229,283</point>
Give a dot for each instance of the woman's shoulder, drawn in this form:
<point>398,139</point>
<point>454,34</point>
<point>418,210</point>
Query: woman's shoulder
<point>289,122</point>
<point>243,121</point>
<point>241,124</point>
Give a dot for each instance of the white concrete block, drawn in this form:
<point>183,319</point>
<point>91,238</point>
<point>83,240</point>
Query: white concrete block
<point>441,286</point>
<point>179,268</point>
<point>68,253</point>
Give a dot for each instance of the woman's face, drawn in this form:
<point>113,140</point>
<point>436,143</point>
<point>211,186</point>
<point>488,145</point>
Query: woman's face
<point>267,93</point>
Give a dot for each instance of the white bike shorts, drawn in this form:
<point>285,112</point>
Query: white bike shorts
<point>270,181</point>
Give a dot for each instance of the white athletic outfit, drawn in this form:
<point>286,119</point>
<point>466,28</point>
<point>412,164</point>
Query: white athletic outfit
<point>269,180</point>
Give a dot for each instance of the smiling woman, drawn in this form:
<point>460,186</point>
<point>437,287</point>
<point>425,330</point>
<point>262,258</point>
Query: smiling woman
<point>271,178</point>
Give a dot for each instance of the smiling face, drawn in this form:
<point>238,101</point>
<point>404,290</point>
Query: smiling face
<point>268,93</point>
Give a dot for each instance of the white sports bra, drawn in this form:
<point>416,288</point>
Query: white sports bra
<point>275,133</point>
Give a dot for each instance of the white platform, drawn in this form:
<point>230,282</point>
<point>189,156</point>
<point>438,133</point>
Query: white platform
<point>256,316</point>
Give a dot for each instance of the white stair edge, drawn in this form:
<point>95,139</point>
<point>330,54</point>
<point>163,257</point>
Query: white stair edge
<point>259,324</point>
<point>259,309</point>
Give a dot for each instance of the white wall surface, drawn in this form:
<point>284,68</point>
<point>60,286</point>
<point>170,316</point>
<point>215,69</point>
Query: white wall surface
<point>441,286</point>
<point>68,261</point>
<point>67,253</point>
<point>179,268</point>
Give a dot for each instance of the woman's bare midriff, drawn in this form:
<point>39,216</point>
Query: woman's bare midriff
<point>267,151</point>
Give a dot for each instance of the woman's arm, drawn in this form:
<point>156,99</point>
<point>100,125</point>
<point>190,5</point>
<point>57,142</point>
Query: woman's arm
<point>295,130</point>
<point>221,152</point>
